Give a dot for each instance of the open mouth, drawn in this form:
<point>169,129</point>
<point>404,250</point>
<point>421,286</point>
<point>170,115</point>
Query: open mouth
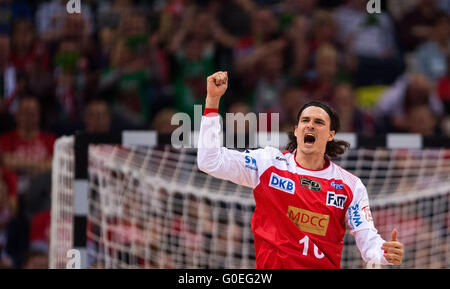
<point>309,139</point>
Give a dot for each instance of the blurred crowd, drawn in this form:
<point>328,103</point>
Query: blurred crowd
<point>124,64</point>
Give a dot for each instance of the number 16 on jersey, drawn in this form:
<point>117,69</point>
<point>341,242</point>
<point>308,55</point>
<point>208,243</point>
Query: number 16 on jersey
<point>305,242</point>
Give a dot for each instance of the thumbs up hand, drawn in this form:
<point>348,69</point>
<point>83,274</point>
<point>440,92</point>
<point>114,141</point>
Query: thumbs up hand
<point>393,250</point>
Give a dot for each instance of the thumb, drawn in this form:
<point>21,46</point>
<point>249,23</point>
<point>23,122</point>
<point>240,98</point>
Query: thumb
<point>394,235</point>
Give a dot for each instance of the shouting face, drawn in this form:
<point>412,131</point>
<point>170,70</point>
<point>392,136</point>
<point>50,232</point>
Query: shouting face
<point>313,131</point>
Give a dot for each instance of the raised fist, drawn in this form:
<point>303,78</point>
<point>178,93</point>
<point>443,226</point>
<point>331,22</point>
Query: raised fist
<point>216,85</point>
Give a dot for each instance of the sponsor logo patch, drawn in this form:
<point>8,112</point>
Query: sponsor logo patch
<point>354,215</point>
<point>250,163</point>
<point>282,159</point>
<point>308,221</point>
<point>310,184</point>
<point>283,184</point>
<point>337,186</point>
<point>365,209</point>
<point>336,200</point>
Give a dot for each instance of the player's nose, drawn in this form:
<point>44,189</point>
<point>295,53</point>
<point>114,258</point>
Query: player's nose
<point>309,126</point>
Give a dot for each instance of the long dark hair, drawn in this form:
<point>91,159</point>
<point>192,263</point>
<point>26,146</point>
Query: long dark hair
<point>334,148</point>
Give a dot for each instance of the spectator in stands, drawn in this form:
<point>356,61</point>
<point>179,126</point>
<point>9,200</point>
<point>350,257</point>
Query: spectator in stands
<point>107,37</point>
<point>8,209</point>
<point>398,9</point>
<point>262,40</point>
<point>421,120</point>
<point>5,263</point>
<point>239,107</point>
<point>352,118</point>
<point>292,97</point>
<point>160,70</point>
<point>11,11</point>
<point>111,13</point>
<point>431,56</point>
<point>408,91</point>
<point>298,49</point>
<point>445,126</point>
<point>36,259</point>
<point>97,117</point>
<point>290,8</point>
<point>154,76</point>
<point>269,83</point>
<point>193,49</point>
<point>248,68</point>
<point>162,121</point>
<point>67,69</point>
<point>260,37</point>
<point>8,187</point>
<point>31,61</point>
<point>443,87</point>
<point>8,89</point>
<point>171,17</point>
<point>307,42</point>
<point>371,37</point>
<point>27,150</point>
<point>323,30</point>
<point>366,35</point>
<point>26,50</point>
<point>415,27</point>
<point>126,80</point>
<point>40,231</point>
<point>323,77</point>
<point>444,6</point>
<point>51,20</point>
<point>123,80</point>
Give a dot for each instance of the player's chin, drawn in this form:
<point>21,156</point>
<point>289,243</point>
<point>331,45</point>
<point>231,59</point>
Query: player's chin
<point>308,149</point>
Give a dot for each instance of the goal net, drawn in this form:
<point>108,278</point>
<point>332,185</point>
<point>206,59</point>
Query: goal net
<point>153,208</point>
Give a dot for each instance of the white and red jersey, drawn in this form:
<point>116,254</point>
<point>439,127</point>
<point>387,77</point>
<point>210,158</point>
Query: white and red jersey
<point>301,215</point>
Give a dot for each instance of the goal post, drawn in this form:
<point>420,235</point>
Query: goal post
<point>148,205</point>
<point>62,193</point>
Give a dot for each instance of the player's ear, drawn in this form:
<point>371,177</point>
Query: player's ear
<point>296,130</point>
<point>331,136</point>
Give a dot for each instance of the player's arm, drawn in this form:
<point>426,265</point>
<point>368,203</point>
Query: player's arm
<point>212,157</point>
<point>372,247</point>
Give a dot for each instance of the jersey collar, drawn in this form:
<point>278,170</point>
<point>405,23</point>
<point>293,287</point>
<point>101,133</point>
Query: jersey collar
<point>322,170</point>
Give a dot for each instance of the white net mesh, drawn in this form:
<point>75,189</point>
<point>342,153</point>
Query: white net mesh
<point>156,210</point>
<point>152,208</point>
